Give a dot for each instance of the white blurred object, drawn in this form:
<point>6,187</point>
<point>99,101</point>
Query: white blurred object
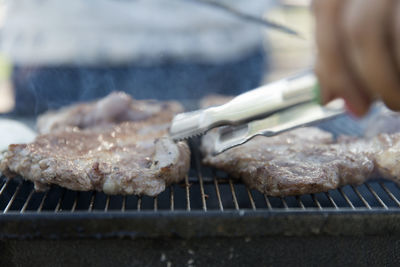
<point>7,101</point>
<point>14,132</point>
<point>141,31</point>
<point>382,120</point>
<point>296,2</point>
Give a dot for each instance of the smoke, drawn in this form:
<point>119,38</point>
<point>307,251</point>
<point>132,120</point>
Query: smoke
<point>41,88</point>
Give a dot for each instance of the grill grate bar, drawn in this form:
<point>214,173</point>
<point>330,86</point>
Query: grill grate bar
<point>285,205</point>
<point>92,199</point>
<point>200,179</point>
<point>75,202</point>
<point>123,206</point>
<point>155,201</point>
<point>300,203</point>
<point>316,201</point>
<point>28,199</point>
<point>171,198</point>
<point>106,207</point>
<point>235,202</point>
<point>60,200</point>
<point>139,203</point>
<point>361,197</point>
<point>221,207</point>
<point>4,186</point>
<point>203,196</point>
<point>390,194</point>
<point>187,187</point>
<point>39,209</point>
<point>269,206</point>
<point>331,200</point>
<point>252,203</point>
<point>13,197</point>
<point>346,198</point>
<point>377,197</point>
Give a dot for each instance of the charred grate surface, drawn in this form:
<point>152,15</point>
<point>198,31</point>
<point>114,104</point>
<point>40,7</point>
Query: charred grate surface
<point>204,189</point>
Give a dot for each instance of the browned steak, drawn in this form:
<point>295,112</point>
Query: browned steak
<point>307,161</point>
<point>117,107</point>
<point>129,158</point>
<point>101,153</point>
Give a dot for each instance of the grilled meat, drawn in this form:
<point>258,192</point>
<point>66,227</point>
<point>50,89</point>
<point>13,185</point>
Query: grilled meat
<point>117,107</point>
<point>89,148</point>
<point>307,161</point>
<point>128,158</point>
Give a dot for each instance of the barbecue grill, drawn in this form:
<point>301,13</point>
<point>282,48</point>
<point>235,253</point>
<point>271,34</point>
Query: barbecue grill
<point>208,218</point>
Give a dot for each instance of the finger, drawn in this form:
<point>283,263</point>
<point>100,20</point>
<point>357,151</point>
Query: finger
<point>334,75</point>
<point>366,31</point>
<point>351,97</point>
<point>326,94</point>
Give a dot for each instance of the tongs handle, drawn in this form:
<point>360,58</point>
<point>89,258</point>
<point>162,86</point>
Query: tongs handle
<point>266,100</point>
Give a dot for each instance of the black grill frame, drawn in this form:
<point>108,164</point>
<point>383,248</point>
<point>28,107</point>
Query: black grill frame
<point>208,219</point>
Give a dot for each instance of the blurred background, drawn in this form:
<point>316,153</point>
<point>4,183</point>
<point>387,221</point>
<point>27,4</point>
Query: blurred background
<point>290,54</point>
<point>54,53</point>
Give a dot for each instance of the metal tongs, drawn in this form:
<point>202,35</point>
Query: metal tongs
<point>268,110</point>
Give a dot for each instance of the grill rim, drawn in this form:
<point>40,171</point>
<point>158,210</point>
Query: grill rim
<point>198,224</point>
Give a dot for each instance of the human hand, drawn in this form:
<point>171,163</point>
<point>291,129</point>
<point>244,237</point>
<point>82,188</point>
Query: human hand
<point>358,45</point>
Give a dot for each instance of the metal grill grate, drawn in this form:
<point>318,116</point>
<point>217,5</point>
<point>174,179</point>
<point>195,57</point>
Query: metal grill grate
<point>204,189</point>
<point>200,192</point>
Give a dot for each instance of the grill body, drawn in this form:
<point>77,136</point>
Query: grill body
<point>207,219</point>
